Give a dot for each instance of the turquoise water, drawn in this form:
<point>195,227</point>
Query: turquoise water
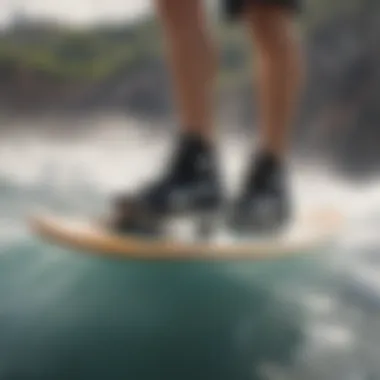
<point>66,315</point>
<point>94,318</point>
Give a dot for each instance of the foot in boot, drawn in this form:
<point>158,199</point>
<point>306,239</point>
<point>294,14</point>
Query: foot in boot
<point>191,185</point>
<point>264,205</point>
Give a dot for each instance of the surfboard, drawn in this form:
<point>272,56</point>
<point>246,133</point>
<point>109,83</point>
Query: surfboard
<point>309,232</point>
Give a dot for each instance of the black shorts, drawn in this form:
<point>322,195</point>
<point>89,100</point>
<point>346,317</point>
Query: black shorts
<point>234,8</point>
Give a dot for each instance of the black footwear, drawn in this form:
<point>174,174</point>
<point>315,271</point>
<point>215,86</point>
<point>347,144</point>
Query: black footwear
<point>190,186</point>
<point>263,207</point>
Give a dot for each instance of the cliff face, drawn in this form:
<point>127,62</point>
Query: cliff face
<point>341,108</point>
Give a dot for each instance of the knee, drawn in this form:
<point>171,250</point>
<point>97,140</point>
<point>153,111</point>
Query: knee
<point>273,29</point>
<point>175,11</point>
<point>167,5</point>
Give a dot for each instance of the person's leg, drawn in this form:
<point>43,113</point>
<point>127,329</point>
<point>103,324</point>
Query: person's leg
<point>280,75</point>
<point>264,202</point>
<point>192,62</point>
<point>190,182</point>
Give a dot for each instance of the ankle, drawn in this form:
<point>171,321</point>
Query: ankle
<point>195,143</point>
<point>268,161</point>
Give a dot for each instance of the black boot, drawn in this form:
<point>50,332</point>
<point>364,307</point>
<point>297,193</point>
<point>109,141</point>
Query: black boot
<point>191,185</point>
<point>263,207</point>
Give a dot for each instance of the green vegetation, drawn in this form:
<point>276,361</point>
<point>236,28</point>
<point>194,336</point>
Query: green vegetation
<point>76,54</point>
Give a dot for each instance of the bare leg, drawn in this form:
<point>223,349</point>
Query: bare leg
<point>280,73</point>
<point>265,204</point>
<point>191,60</point>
